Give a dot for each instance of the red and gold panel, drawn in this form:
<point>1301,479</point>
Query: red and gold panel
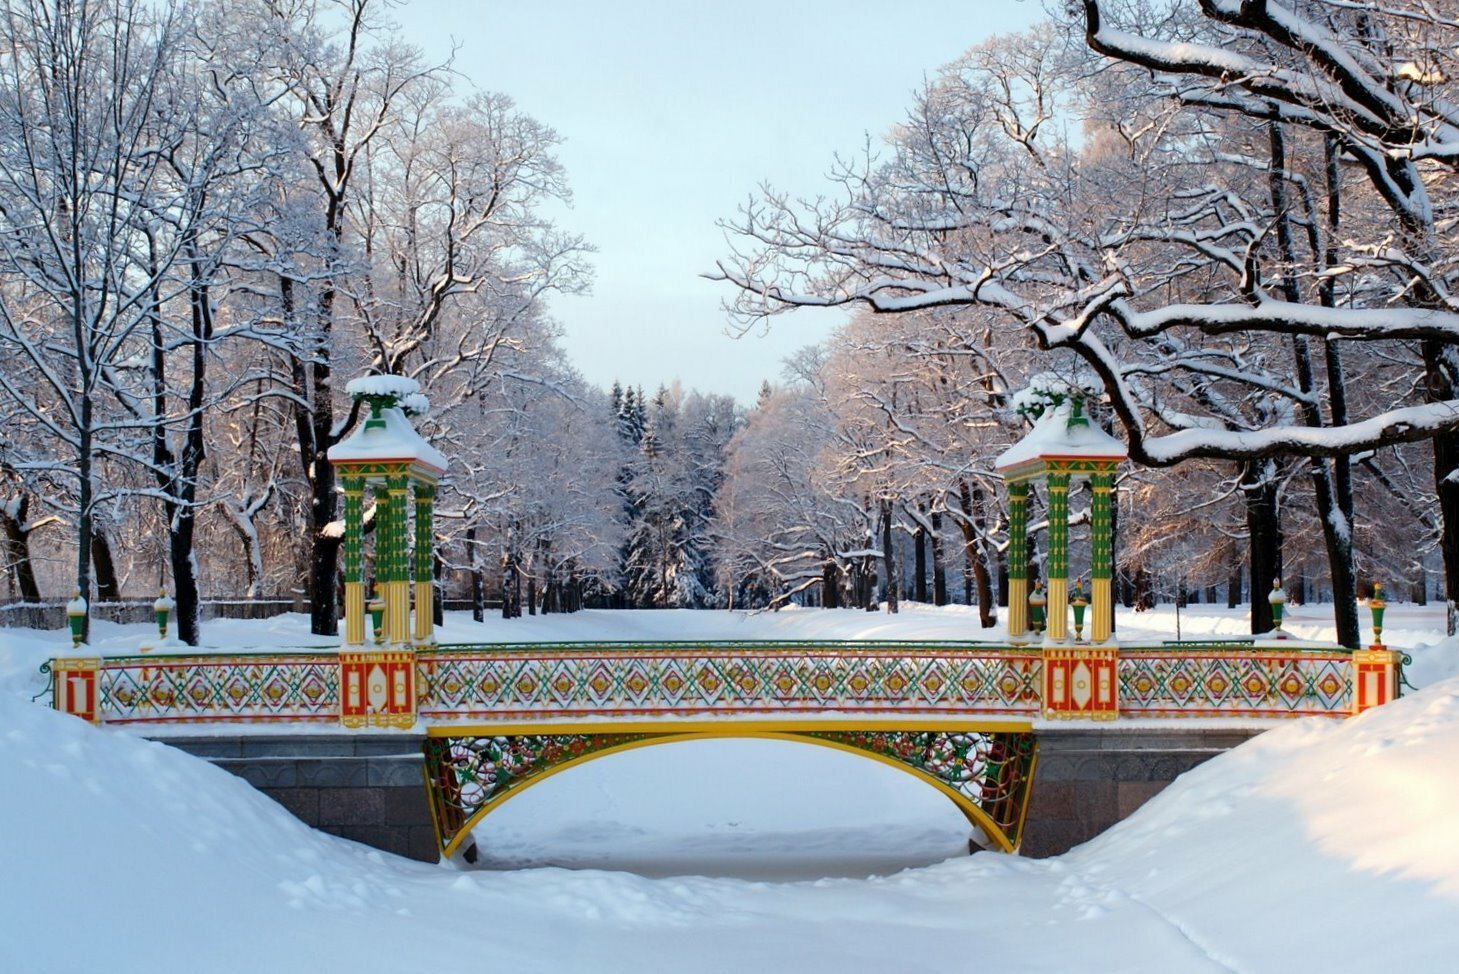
<point>377,689</point>
<point>1081,682</point>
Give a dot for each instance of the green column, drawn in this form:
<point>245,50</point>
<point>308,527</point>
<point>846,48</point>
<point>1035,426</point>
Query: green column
<point>397,487</point>
<point>1017,560</point>
<point>1100,529</point>
<point>1059,525</point>
<point>1101,536</point>
<point>1058,563</point>
<point>395,573</point>
<point>354,558</point>
<point>425,553</point>
<point>354,518</point>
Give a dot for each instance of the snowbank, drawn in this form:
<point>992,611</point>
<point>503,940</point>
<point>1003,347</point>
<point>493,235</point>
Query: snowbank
<point>1322,845</point>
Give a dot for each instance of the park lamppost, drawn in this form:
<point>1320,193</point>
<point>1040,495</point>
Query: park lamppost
<point>1037,602</point>
<point>162,608</point>
<point>1278,601</point>
<point>1376,605</point>
<point>1079,602</point>
<point>76,617</point>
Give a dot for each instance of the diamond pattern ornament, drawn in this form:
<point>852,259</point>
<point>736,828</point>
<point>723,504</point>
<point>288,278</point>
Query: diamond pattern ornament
<point>674,683</point>
<point>1220,683</point>
<point>863,680</point>
<point>1255,685</point>
<point>637,682</point>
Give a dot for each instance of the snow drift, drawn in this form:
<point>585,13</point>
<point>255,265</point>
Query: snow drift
<point>1319,846</point>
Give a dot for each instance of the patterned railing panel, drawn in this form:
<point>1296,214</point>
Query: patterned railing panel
<point>561,682</point>
<point>190,689</point>
<point>1196,681</point>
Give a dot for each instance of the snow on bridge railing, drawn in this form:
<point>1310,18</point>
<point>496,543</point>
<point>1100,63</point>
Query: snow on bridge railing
<point>398,686</point>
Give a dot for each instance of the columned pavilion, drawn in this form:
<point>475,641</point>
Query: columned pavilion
<point>1063,448</point>
<point>387,455</point>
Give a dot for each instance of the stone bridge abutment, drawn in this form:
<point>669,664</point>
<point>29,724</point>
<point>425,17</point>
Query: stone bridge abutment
<point>370,787</point>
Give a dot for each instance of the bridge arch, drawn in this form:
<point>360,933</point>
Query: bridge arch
<point>984,770</point>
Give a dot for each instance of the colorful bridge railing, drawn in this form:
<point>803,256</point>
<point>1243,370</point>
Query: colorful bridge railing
<point>444,684</point>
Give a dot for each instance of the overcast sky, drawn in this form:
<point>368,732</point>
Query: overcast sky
<point>672,113</point>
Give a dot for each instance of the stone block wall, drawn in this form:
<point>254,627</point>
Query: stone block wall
<point>1090,778</point>
<point>367,788</point>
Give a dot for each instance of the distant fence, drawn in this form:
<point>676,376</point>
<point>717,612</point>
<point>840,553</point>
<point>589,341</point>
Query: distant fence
<point>52,615</point>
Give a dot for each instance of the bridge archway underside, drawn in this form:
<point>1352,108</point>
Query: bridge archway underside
<point>985,767</point>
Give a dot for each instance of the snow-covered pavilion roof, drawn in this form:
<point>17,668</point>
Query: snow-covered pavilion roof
<point>397,441</point>
<point>1054,437</point>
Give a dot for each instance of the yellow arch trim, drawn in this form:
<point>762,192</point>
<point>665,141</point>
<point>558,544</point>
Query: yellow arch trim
<point>743,730</point>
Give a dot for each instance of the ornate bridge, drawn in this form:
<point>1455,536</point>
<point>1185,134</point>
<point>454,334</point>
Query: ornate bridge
<point>500,717</point>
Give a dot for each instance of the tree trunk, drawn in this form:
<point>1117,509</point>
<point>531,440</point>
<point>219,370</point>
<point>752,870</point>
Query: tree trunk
<point>438,590</point>
<point>939,567</point>
<point>888,554</point>
<point>1446,475</point>
<point>1264,537</point>
<point>478,580</point>
<point>1336,527</point>
<point>974,528</point>
<point>108,587</point>
<point>1233,579</point>
<point>17,550</point>
<point>919,557</point>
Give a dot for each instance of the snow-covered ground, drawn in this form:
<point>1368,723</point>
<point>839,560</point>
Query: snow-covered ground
<point>1322,845</point>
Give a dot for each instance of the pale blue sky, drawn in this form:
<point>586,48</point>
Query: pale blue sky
<point>672,113</point>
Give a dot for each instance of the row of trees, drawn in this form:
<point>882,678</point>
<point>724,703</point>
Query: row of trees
<point>1234,214</point>
<point>1227,223</point>
<point>206,213</point>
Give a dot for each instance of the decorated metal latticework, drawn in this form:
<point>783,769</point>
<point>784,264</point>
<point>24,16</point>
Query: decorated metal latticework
<point>263,688</point>
<point>1216,680</point>
<point>571,681</point>
<point>987,773</point>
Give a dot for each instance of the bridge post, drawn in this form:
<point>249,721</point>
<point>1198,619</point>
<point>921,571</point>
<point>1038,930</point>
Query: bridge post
<point>1081,682</point>
<point>1062,448</point>
<point>76,687</point>
<point>377,689</point>
<point>1375,677</point>
<point>386,453</point>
